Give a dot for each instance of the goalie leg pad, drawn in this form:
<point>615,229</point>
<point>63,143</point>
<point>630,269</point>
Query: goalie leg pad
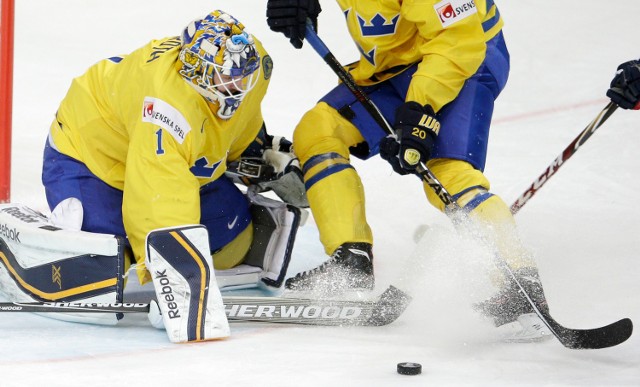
<point>185,284</point>
<point>40,262</point>
<point>275,227</point>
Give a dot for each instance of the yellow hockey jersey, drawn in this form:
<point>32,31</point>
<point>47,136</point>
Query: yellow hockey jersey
<point>141,128</point>
<point>446,37</point>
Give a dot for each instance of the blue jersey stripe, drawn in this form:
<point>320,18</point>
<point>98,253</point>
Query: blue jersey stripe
<point>489,24</point>
<point>325,173</point>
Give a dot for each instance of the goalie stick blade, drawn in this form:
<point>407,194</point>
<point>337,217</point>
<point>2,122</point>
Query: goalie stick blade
<point>597,338</point>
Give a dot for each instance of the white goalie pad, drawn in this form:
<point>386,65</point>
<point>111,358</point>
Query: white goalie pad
<point>239,277</point>
<point>40,262</point>
<point>275,227</point>
<point>189,300</point>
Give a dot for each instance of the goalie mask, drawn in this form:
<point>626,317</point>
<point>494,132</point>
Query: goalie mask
<point>219,59</point>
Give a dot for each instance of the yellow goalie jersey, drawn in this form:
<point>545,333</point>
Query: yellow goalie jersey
<point>447,37</point>
<point>141,128</point>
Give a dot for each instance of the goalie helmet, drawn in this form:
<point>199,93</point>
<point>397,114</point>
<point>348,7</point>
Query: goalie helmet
<point>220,60</point>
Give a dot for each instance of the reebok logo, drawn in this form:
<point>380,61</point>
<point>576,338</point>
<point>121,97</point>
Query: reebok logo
<point>9,233</point>
<point>166,292</point>
<point>17,213</point>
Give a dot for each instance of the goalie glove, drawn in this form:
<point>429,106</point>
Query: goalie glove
<point>278,171</point>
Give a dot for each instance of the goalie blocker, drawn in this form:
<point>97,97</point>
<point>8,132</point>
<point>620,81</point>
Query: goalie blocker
<point>41,262</point>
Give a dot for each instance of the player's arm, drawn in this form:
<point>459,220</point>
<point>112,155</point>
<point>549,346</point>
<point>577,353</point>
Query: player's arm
<point>160,191</point>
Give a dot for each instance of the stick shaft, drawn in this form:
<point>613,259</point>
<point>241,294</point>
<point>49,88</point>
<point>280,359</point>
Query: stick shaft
<point>569,151</point>
<point>422,171</point>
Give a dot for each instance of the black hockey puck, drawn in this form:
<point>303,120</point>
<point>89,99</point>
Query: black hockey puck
<point>409,368</point>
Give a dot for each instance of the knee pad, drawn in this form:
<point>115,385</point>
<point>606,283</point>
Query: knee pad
<point>68,214</point>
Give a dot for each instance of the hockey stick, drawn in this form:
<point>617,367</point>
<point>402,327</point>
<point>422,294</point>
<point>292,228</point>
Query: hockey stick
<point>277,310</point>
<point>422,171</point>
<point>602,337</point>
<point>564,156</point>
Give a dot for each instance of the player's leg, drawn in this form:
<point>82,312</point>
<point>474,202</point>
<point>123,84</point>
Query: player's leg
<point>327,135</point>
<point>251,236</point>
<point>322,140</point>
<point>336,198</point>
<point>459,158</point>
<point>78,199</point>
<point>224,210</point>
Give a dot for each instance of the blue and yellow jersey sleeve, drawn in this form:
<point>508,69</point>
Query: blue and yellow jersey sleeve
<point>447,38</point>
<point>139,127</point>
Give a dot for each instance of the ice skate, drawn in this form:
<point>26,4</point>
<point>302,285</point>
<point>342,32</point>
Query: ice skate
<point>350,267</point>
<point>510,303</point>
<point>527,328</point>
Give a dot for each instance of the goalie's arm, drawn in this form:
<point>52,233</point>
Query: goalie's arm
<point>160,190</point>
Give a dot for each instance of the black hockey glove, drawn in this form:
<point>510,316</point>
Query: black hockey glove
<point>416,130</point>
<point>290,18</point>
<point>625,86</point>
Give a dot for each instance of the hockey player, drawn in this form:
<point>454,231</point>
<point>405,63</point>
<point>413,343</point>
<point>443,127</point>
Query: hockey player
<point>625,86</point>
<point>139,148</point>
<point>434,70</point>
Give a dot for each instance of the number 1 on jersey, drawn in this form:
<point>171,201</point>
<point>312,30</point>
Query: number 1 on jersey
<point>159,150</point>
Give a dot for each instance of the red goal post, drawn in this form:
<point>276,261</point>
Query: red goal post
<point>6,96</point>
